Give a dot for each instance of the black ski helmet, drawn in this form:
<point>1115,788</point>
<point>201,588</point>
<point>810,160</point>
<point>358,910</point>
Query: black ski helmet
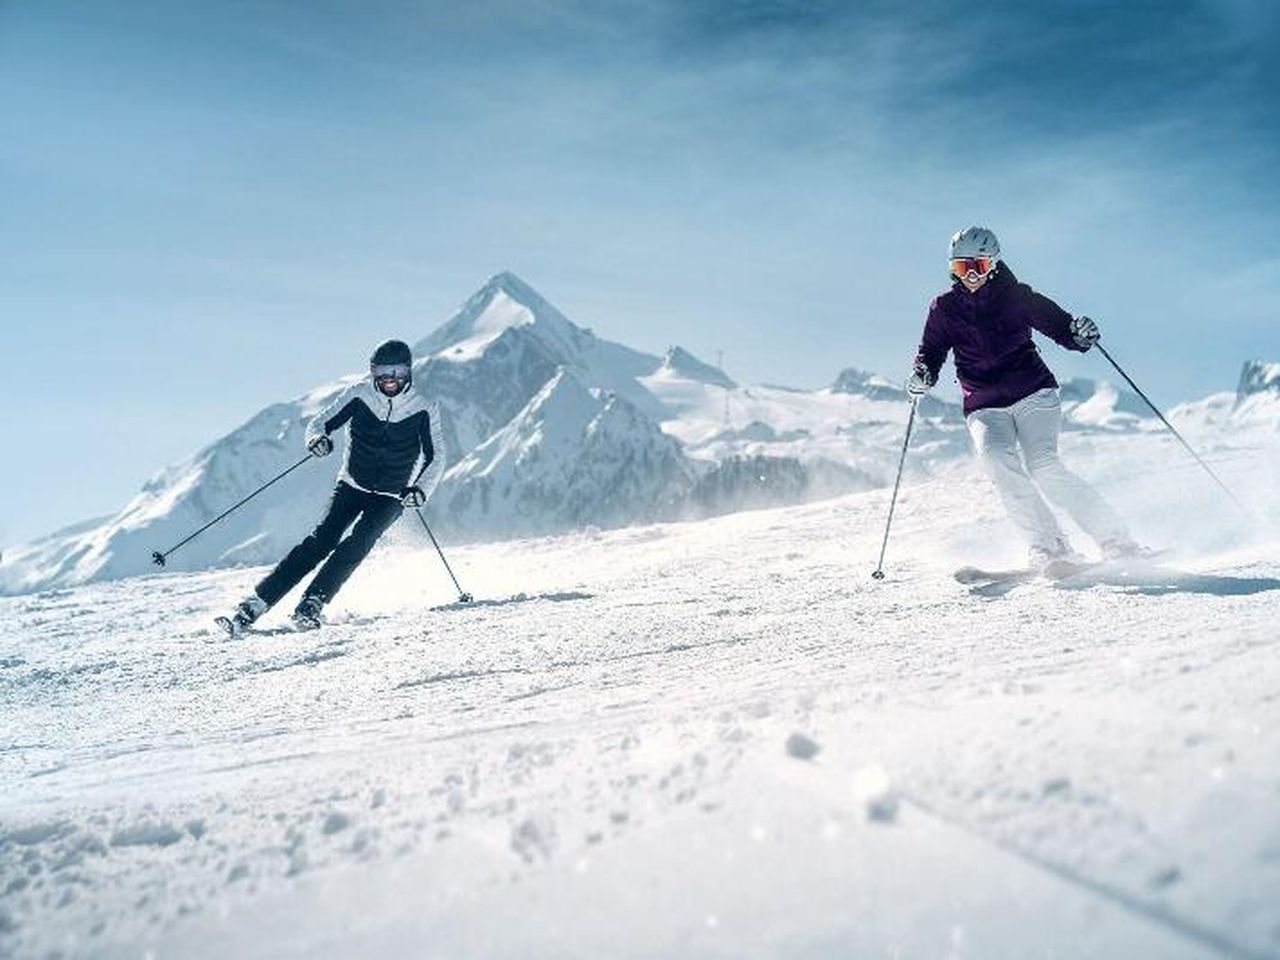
<point>392,351</point>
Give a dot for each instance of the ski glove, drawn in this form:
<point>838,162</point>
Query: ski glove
<point>1085,332</point>
<point>320,446</point>
<point>412,497</point>
<point>920,381</point>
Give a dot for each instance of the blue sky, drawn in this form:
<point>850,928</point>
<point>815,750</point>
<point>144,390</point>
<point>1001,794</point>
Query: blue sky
<point>205,207</point>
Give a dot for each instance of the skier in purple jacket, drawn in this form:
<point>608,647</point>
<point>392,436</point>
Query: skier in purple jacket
<point>1011,401</point>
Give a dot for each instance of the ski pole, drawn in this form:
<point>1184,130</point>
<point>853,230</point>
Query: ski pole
<point>1187,446</point>
<point>463,596</point>
<point>159,558</point>
<point>878,573</point>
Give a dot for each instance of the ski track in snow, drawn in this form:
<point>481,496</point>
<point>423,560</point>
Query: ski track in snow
<point>709,739</point>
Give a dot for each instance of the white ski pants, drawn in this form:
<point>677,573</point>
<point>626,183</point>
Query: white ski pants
<point>1033,424</point>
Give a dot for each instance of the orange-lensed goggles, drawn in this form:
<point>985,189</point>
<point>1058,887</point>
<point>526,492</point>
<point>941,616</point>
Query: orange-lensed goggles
<point>963,266</point>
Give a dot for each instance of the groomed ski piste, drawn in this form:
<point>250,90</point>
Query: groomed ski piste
<point>708,739</point>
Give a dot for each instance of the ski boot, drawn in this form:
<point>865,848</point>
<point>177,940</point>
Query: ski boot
<point>307,614</point>
<point>1056,560</point>
<point>249,610</point>
<point>1122,549</point>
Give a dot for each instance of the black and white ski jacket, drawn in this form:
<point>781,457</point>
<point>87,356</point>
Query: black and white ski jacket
<point>387,438</point>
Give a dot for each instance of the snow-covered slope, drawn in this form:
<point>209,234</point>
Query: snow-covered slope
<point>680,364</point>
<point>715,739</point>
<point>1254,406</point>
<point>1099,405</point>
<point>182,497</point>
<point>573,457</point>
<point>857,425</point>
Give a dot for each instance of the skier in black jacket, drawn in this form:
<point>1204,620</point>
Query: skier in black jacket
<point>391,429</point>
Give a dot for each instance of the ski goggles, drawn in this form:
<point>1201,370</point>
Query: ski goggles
<point>390,371</point>
<point>963,266</point>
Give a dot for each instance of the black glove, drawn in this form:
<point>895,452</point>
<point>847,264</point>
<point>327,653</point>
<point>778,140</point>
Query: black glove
<point>920,381</point>
<point>1085,332</point>
<point>320,447</point>
<point>412,497</point>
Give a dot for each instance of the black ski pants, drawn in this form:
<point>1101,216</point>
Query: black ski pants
<point>371,513</point>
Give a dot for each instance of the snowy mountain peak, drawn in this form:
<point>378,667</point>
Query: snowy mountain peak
<point>503,303</point>
<point>508,284</point>
<point>1101,405</point>
<point>679,362</point>
<point>1258,376</point>
<point>1257,398</point>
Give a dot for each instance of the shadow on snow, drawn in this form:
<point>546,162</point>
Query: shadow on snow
<point>518,598</point>
<point>1148,583</point>
<point>1156,584</point>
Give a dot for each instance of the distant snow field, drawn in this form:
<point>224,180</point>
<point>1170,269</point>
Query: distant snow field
<point>706,739</point>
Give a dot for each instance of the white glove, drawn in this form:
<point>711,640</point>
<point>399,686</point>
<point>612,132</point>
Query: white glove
<point>920,381</point>
<point>321,446</point>
<point>412,497</point>
<point>1085,332</point>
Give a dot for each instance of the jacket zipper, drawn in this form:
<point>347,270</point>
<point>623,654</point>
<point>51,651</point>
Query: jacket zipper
<point>386,422</point>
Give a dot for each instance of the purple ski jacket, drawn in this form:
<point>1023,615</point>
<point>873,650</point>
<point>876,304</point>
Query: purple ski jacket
<point>990,334</point>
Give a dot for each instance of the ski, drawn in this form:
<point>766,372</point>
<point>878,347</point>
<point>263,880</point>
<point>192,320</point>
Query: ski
<point>989,582</point>
<point>996,583</point>
<point>246,631</point>
<point>468,602</point>
<point>972,575</point>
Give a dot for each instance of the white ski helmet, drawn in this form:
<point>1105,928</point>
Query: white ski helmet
<point>975,242</point>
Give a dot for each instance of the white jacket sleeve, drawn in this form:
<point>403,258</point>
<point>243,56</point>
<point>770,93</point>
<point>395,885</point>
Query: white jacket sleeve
<point>429,477</point>
<point>333,416</point>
